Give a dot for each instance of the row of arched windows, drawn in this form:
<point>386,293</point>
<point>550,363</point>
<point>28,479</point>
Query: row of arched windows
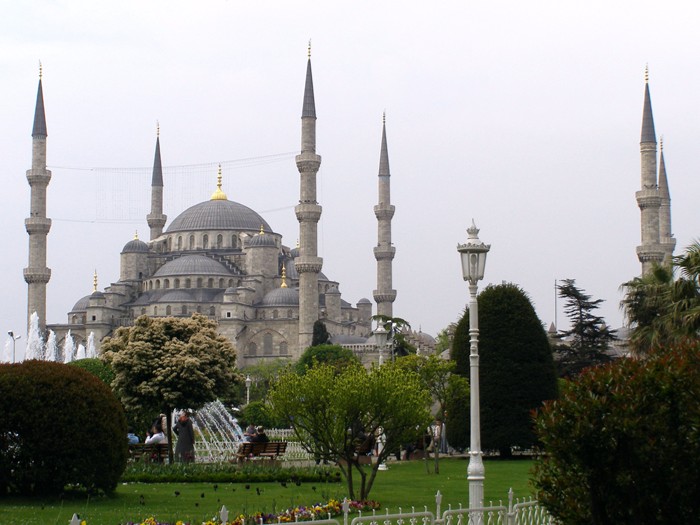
<point>181,310</point>
<point>261,314</point>
<point>155,284</point>
<point>267,347</point>
<point>204,242</point>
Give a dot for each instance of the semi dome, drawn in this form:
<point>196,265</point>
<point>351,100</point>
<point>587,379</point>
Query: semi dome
<point>218,215</point>
<point>262,239</point>
<point>176,296</point>
<point>82,304</point>
<point>281,297</point>
<point>192,265</point>
<point>135,246</point>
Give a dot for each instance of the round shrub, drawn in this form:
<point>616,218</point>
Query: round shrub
<point>96,367</point>
<point>60,426</point>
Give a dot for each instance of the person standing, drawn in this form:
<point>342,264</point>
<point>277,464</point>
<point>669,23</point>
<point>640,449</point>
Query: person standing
<point>184,450</point>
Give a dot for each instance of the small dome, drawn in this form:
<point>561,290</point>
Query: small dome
<point>97,295</point>
<point>135,246</point>
<point>281,297</point>
<point>218,215</point>
<point>364,300</point>
<point>333,290</point>
<point>82,304</point>
<point>262,239</point>
<point>192,265</point>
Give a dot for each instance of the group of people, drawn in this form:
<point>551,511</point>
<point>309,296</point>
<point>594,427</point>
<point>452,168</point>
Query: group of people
<point>183,429</point>
<point>255,434</point>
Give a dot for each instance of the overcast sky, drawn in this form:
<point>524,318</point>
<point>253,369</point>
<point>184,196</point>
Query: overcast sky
<point>525,116</point>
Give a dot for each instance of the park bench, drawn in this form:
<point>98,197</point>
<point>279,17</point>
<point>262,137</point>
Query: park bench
<point>270,450</point>
<point>152,453</point>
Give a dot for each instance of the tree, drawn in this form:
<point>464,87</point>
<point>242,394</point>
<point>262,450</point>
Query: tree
<point>336,412</point>
<point>589,336</point>
<point>443,341</point>
<point>459,352</point>
<point>320,335</point>
<point>622,443</point>
<point>517,371</point>
<point>166,362</point>
<point>457,408</point>
<point>394,327</point>
<point>60,426</point>
<point>96,367</point>
<point>660,310</point>
<point>333,355</point>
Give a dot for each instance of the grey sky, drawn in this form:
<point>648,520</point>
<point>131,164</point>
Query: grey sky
<point>525,116</point>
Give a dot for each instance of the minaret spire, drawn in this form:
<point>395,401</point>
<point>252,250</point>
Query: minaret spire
<point>668,242</point>
<point>384,252</point>
<point>156,219</point>
<point>308,264</point>
<point>36,274</point>
<point>648,198</point>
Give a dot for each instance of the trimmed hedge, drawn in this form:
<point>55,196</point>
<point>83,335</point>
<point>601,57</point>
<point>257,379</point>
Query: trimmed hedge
<point>60,426</point>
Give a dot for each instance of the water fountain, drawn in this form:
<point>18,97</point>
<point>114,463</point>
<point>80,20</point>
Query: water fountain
<point>51,347</point>
<point>68,348</point>
<point>91,348</point>
<point>80,354</point>
<point>217,433</point>
<point>35,342</point>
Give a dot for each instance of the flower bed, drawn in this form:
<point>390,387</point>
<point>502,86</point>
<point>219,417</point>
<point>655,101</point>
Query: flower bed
<point>301,513</point>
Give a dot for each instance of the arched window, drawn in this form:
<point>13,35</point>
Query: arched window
<point>289,314</point>
<point>205,241</point>
<point>283,348</point>
<point>179,242</point>
<point>188,283</point>
<point>212,310</point>
<point>199,282</point>
<point>252,349</point>
<point>219,241</point>
<point>275,314</point>
<point>166,283</point>
<point>234,241</point>
<point>168,310</point>
<point>155,310</point>
<point>267,344</point>
<point>150,285</point>
<point>230,283</point>
<point>170,244</point>
<point>157,284</point>
<point>210,283</point>
<point>143,311</point>
<point>221,283</point>
<point>177,283</point>
<point>199,309</point>
<point>191,242</point>
<point>184,309</point>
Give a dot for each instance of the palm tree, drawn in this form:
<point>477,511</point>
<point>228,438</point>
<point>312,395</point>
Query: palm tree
<point>661,310</point>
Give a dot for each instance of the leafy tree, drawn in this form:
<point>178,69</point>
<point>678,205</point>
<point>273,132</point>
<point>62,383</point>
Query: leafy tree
<point>517,371</point>
<point>457,408</point>
<point>60,426</point>
<point>333,355</point>
<point>443,341</point>
<point>663,311</point>
<point>166,362</point>
<point>395,327</point>
<point>459,352</point>
<point>96,367</point>
<point>333,412</point>
<point>262,374</point>
<point>259,413</point>
<point>622,443</point>
<point>589,336</point>
<point>320,335</point>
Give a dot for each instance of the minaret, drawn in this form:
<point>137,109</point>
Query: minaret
<point>156,219</point>
<point>384,252</point>
<point>648,198</point>
<point>36,274</point>
<point>668,243</point>
<point>308,264</point>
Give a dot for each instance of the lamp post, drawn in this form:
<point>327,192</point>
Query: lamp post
<point>248,382</point>
<point>14,342</point>
<point>380,338</point>
<point>473,254</point>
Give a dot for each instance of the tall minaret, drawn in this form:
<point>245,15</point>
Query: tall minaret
<point>668,242</point>
<point>648,198</point>
<point>308,264</point>
<point>156,219</point>
<point>384,252</point>
<point>36,274</point>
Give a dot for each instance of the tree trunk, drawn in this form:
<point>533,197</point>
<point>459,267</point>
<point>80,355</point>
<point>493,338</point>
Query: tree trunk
<point>168,411</point>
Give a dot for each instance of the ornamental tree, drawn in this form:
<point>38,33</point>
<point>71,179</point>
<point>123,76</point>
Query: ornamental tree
<point>622,442</point>
<point>167,362</point>
<point>335,413</point>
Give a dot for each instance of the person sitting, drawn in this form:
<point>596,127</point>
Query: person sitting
<point>132,438</point>
<point>250,433</point>
<point>260,436</point>
<point>155,435</point>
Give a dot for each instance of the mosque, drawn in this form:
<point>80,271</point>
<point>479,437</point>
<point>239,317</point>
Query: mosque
<point>223,260</point>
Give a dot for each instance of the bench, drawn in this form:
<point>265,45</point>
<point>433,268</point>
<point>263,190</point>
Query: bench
<point>270,450</point>
<point>152,453</point>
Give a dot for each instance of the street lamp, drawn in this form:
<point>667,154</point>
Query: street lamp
<point>473,254</point>
<point>380,338</point>
<point>14,342</point>
<point>248,382</point>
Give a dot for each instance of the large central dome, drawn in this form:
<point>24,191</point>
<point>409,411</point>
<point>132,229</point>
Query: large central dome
<point>218,215</point>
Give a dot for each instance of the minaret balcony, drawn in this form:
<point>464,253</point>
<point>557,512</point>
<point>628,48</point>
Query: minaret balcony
<point>37,275</point>
<point>307,212</point>
<point>308,162</point>
<point>649,198</point>
<point>382,253</point>
<point>384,296</point>
<point>38,177</point>
<point>40,225</point>
<point>384,211</point>
<point>308,264</point>
<point>650,253</point>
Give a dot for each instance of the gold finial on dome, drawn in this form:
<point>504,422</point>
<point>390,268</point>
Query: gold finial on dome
<point>218,195</point>
<point>284,277</point>
<point>262,230</point>
<point>94,281</point>
<point>136,235</point>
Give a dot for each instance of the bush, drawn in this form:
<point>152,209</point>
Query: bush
<point>259,414</point>
<point>96,367</point>
<point>60,426</point>
<point>622,444</point>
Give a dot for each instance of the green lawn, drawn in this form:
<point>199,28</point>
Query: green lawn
<point>405,484</point>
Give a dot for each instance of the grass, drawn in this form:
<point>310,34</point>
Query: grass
<point>405,484</point>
